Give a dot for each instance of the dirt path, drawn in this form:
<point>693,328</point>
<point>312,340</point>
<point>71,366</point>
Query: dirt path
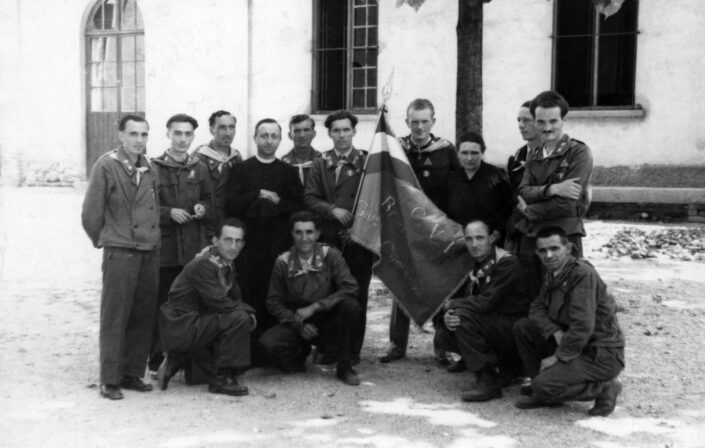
<point>50,292</point>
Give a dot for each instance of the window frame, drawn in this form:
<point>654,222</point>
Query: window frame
<point>636,108</point>
<point>349,59</point>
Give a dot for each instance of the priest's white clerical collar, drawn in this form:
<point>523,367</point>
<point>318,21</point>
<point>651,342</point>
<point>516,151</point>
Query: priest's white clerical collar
<point>267,161</point>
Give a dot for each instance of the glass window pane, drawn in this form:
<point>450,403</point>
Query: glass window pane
<point>98,18</point>
<point>359,37</point>
<point>624,21</point>
<point>332,24</point>
<point>128,99</point>
<point>372,13</point>
<point>359,57</point>
<point>372,57</point>
<point>358,98</point>
<point>96,74</point>
<point>575,18</point>
<point>128,74</point>
<point>110,76</point>
<point>128,48</point>
<point>372,77</point>
<point>358,77</point>
<point>140,99</point>
<point>573,70</point>
<point>96,100</point>
<point>331,78</point>
<point>372,98</point>
<point>615,76</point>
<point>104,49</point>
<point>360,16</point>
<point>139,73</point>
<point>139,50</point>
<point>128,15</point>
<point>372,37</point>
<point>110,100</point>
<point>139,24</point>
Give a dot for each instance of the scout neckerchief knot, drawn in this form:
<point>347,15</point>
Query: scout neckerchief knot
<point>301,167</point>
<point>482,272</point>
<point>218,156</point>
<point>339,167</point>
<point>224,269</point>
<point>296,266</point>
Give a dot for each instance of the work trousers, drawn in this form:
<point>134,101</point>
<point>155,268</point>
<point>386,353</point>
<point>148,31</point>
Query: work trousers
<point>359,260</point>
<point>127,309</point>
<point>167,275</point>
<point>483,340</point>
<point>580,379</point>
<point>535,271</point>
<point>284,346</point>
<point>214,341</point>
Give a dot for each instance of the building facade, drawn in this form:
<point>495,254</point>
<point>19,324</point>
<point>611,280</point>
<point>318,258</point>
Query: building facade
<point>68,69</point>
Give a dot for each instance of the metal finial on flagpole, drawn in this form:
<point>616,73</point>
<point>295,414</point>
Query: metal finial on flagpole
<point>387,89</point>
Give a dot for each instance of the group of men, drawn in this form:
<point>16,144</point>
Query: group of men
<point>281,272</point>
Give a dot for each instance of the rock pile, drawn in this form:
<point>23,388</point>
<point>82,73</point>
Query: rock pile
<point>685,244</point>
<point>51,174</point>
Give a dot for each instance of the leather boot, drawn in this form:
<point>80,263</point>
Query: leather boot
<point>170,366</point>
<point>607,400</point>
<point>485,388</point>
<point>227,384</point>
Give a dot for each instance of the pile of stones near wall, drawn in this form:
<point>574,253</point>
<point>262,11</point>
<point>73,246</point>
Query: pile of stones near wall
<point>684,244</point>
<point>50,174</point>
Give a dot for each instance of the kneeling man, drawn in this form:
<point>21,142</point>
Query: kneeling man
<point>206,318</point>
<point>478,325</point>
<point>571,343</point>
<point>312,294</point>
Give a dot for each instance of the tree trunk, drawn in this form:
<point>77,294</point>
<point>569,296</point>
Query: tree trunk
<point>468,109</point>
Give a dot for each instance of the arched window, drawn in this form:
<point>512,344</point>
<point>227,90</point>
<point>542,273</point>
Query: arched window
<point>114,72</point>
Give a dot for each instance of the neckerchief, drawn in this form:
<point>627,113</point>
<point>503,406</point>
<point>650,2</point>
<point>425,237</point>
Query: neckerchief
<point>217,155</point>
<point>224,268</point>
<point>291,160</point>
<point>294,266</point>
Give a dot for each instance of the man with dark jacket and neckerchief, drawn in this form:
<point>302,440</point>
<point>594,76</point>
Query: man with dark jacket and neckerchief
<point>184,208</point>
<point>571,344</point>
<point>331,190</point>
<point>301,132</point>
<point>313,297</point>
<point>205,321</point>
<point>555,188</point>
<point>219,157</point>
<point>479,323</point>
<point>433,159</point>
<point>263,191</point>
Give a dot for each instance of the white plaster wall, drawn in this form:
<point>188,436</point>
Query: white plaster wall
<point>41,88</point>
<point>196,63</point>
<point>669,83</point>
<point>281,64</point>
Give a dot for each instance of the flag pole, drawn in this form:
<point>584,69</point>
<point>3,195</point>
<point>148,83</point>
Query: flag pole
<point>386,94</point>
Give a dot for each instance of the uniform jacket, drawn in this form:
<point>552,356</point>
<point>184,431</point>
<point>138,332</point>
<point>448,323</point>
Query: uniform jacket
<point>117,212</point>
<point>302,168</point>
<point>497,285</point>
<point>219,167</point>
<point>571,159</point>
<point>207,285</point>
<point>182,185</point>
<point>326,282</point>
<point>515,171</point>
<point>577,302</point>
<point>432,164</point>
<point>323,193</point>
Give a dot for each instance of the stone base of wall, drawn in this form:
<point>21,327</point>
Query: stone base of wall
<point>654,176</point>
<point>50,174</point>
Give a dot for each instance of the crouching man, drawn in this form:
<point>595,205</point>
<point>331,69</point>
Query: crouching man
<point>312,294</point>
<point>571,344</point>
<point>205,318</point>
<point>479,324</point>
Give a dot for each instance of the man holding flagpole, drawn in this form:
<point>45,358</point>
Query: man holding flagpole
<point>330,191</point>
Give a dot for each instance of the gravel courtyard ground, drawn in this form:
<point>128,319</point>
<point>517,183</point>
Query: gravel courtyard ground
<point>50,296</point>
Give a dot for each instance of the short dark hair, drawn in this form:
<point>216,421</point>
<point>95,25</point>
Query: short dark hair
<point>526,104</point>
<point>421,104</point>
<point>130,117</point>
<point>547,232</point>
<point>230,222</point>
<point>300,118</point>
<point>217,114</point>
<point>490,226</point>
<point>267,120</point>
<point>547,100</point>
<point>304,216</point>
<point>182,118</point>
<point>340,115</point>
<point>472,137</point>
